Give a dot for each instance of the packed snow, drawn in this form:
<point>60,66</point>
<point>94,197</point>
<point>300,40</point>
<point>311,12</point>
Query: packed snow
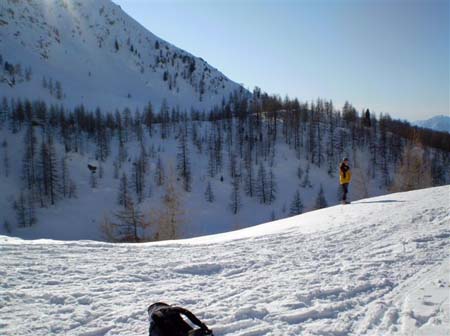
<point>378,266</point>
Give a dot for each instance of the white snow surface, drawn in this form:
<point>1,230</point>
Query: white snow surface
<point>378,266</point>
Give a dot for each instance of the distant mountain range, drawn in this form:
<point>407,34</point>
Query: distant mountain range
<point>437,123</point>
<point>71,52</point>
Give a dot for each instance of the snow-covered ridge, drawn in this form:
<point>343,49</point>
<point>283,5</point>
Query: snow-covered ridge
<point>437,123</point>
<point>98,56</point>
<point>376,267</point>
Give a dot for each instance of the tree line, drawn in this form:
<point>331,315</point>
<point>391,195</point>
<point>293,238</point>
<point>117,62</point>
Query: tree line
<point>238,141</point>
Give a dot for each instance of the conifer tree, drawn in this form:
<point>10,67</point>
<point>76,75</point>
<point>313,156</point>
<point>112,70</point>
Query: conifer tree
<point>321,201</point>
<point>159,173</point>
<point>300,172</point>
<point>129,223</point>
<point>149,118</point>
<point>65,178</point>
<point>262,187</point>
<point>272,187</point>
<point>138,177</point>
<point>124,194</point>
<point>5,158</point>
<point>209,195</point>
<point>116,170</point>
<point>29,160</point>
<point>53,178</point>
<point>49,179</point>
<point>249,181</point>
<point>235,199</point>
<point>306,183</point>
<point>58,90</point>
<point>296,205</point>
<point>183,161</point>
<point>30,209</point>
<point>25,211</point>
<point>20,209</point>
<point>164,119</point>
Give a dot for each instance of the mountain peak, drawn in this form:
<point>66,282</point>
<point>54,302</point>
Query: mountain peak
<point>437,123</point>
<point>99,56</point>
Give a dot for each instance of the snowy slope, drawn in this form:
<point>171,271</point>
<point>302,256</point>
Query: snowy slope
<point>437,123</point>
<point>80,218</point>
<point>379,266</point>
<point>100,56</point>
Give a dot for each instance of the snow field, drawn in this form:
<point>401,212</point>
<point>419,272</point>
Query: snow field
<point>376,267</point>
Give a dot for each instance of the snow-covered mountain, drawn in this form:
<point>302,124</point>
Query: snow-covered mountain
<point>91,52</point>
<point>437,123</point>
<point>376,267</point>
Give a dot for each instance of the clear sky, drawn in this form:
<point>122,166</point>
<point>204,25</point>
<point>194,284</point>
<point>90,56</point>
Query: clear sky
<point>390,56</point>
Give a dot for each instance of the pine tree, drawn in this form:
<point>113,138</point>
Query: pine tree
<point>124,194</point>
<point>262,187</point>
<point>249,181</point>
<point>306,183</point>
<point>159,173</point>
<point>164,118</point>
<point>29,160</point>
<point>5,158</point>
<point>300,172</point>
<point>235,204</point>
<point>296,205</point>
<point>65,178</point>
<point>58,90</point>
<point>52,172</point>
<point>183,161</point>
<point>209,196</point>
<point>116,170</point>
<point>148,118</point>
<point>367,122</point>
<point>122,153</point>
<point>50,86</point>
<point>25,211</point>
<point>20,209</point>
<point>138,177</point>
<point>321,201</point>
<point>4,110</point>
<point>30,209</point>
<point>44,83</point>
<point>272,187</point>
<point>129,222</point>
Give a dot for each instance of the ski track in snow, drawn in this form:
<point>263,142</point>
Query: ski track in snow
<point>376,267</point>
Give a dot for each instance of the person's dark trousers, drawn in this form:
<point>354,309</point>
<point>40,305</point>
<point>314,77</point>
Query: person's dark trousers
<point>344,191</point>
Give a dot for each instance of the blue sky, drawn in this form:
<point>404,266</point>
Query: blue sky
<point>388,56</point>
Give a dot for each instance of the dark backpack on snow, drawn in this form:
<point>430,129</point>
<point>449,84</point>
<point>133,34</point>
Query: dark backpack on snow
<point>166,320</point>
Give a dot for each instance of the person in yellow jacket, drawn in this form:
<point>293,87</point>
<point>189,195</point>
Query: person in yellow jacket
<point>345,176</point>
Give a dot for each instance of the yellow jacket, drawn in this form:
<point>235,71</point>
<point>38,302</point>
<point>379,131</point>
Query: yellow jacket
<point>345,174</point>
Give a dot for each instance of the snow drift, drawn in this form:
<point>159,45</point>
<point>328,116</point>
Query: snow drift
<point>376,267</point>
